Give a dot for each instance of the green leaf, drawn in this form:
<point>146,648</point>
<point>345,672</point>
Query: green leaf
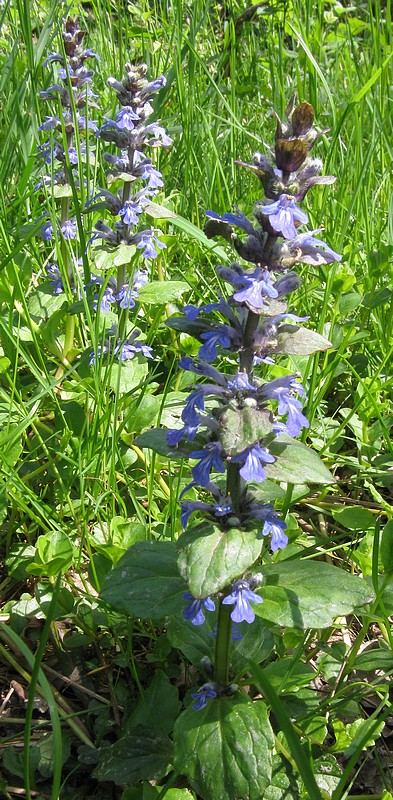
<point>242,427</point>
<point>43,303</point>
<point>10,446</point>
<point>146,581</point>
<point>127,375</point>
<point>211,558</point>
<point>386,549</point>
<point>293,340</point>
<point>121,535</point>
<point>355,518</point>
<point>162,292</point>
<point>142,756</point>
<point>156,439</point>
<point>283,783</point>
<point>296,463</point>
<point>225,749</point>
<point>123,254</point>
<point>162,695</point>
<point>309,594</point>
<point>53,555</point>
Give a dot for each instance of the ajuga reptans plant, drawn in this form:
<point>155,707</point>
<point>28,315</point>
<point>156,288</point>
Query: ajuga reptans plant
<point>132,172</point>
<point>227,577</point>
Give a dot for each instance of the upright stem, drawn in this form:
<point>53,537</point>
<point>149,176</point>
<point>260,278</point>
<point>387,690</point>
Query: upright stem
<point>247,354</point>
<point>223,644</point>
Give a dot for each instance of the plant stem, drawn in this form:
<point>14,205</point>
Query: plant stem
<point>223,644</point>
<point>247,354</point>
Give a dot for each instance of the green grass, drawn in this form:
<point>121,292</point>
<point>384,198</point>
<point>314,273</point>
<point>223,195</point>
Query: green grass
<point>68,463</point>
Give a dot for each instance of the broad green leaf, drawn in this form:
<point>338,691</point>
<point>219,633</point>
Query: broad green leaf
<point>127,375</point>
<point>146,581</point>
<point>43,303</point>
<point>242,427</point>
<point>141,756</point>
<point>211,558</point>
<point>113,542</point>
<point>140,417</point>
<point>162,292</point>
<point>225,749</point>
<point>309,594</point>
<point>156,439</point>
<point>283,783</point>
<point>123,254</point>
<point>296,463</point>
<point>349,736</point>
<point>354,518</point>
<point>162,695</point>
<point>293,340</point>
<point>374,658</point>
<point>54,554</point>
<point>327,773</point>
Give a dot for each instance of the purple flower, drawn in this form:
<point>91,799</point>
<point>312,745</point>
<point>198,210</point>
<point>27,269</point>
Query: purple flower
<point>126,118</point>
<point>218,336</point>
<point>275,527</point>
<point>242,596</point>
<point>312,251</point>
<point>218,509</point>
<point>194,611</point>
<point>253,458</point>
<point>160,136</point>
<point>145,240</point>
<point>295,420</point>
<point>68,229</point>
<point>257,287</point>
<point>47,231</point>
<point>205,693</point>
<point>129,212</point>
<point>210,458</point>
<point>283,214</point>
<point>240,220</point>
<point>55,278</point>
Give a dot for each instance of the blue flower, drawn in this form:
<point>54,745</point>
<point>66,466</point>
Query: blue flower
<point>218,336</point>
<point>205,693</point>
<point>241,383</point>
<point>129,212</point>
<point>283,214</point>
<point>152,175</point>
<point>194,611</point>
<point>219,509</point>
<point>126,118</point>
<point>145,241</point>
<point>210,458</point>
<point>275,527</point>
<point>192,312</point>
<point>189,430</point>
<point>257,287</point>
<point>47,231</point>
<point>200,368</point>
<point>295,420</point>
<point>242,596</point>
<point>253,458</point>
<point>240,220</point>
<point>310,250</point>
<point>68,229</point>
<point>54,275</point>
